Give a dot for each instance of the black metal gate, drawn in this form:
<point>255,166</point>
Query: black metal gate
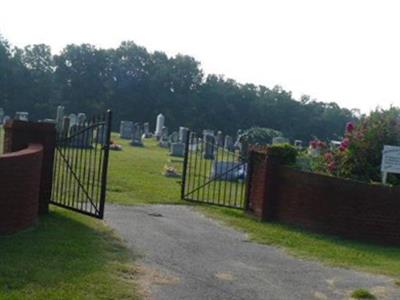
<point>80,165</point>
<point>213,173</point>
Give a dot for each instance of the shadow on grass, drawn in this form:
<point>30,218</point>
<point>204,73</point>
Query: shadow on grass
<point>65,254</point>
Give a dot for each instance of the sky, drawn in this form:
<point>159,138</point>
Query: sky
<point>342,51</point>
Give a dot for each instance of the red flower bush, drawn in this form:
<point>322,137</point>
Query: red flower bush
<point>360,152</point>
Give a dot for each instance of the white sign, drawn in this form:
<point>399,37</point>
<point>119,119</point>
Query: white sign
<point>390,159</point>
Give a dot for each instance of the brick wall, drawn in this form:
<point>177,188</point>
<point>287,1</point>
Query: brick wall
<point>19,188</point>
<point>18,134</point>
<point>324,204</point>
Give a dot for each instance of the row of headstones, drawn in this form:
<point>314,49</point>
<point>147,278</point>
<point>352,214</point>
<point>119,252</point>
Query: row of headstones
<point>135,132</point>
<point>175,141</point>
<point>19,115</point>
<point>76,130</point>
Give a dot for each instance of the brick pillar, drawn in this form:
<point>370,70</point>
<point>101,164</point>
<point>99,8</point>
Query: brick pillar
<point>269,203</point>
<point>261,185</point>
<point>18,134</point>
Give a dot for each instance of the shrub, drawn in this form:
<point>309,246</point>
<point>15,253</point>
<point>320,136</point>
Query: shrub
<point>360,152</point>
<point>285,153</point>
<point>260,135</point>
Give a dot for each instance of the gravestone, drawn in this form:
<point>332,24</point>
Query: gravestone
<point>174,137</point>
<point>177,149</point>
<point>159,126</point>
<point>22,116</point>
<point>81,118</point>
<point>208,131</point>
<point>228,143</point>
<point>279,140</point>
<point>183,131</point>
<point>6,119</point>
<point>137,136</point>
<point>125,129</point>
<point>193,141</point>
<point>209,146</point>
<point>59,119</point>
<point>219,139</point>
<point>101,135</point>
<point>66,126</point>
<point>73,120</point>
<point>81,136</point>
<point>164,138</point>
<point>243,146</point>
<point>228,170</point>
<point>1,115</point>
<point>146,130</point>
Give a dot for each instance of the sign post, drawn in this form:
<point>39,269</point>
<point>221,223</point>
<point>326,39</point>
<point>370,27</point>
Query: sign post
<point>390,161</point>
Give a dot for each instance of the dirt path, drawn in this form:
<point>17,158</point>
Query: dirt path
<point>186,255</point>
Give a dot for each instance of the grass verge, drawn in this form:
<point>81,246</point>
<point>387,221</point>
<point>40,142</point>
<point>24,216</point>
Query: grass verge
<point>66,256</point>
<point>327,249</point>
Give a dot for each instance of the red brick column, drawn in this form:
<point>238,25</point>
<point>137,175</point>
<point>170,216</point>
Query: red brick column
<point>19,188</point>
<point>261,185</point>
<point>18,134</point>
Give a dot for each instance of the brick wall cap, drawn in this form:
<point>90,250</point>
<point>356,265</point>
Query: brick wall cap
<point>31,149</point>
<point>29,126</point>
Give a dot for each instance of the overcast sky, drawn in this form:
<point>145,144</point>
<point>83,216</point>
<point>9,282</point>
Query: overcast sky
<point>342,51</point>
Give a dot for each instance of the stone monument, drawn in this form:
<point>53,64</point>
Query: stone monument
<point>159,126</point>
<point>137,136</point>
<point>209,146</point>
<point>228,143</point>
<point>183,131</point>
<point>125,130</point>
<point>164,138</point>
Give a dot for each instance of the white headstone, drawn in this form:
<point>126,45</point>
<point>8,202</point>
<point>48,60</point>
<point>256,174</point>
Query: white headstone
<point>73,120</point>
<point>159,125</point>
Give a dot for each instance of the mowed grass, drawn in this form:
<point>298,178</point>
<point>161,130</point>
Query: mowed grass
<point>135,177</point>
<point>135,174</point>
<point>331,250</point>
<point>65,256</point>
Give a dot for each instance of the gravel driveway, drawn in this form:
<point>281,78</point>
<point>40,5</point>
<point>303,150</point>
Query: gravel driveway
<point>186,255</point>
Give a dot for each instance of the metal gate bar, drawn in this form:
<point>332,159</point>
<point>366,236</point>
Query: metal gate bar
<point>81,165</point>
<point>213,174</point>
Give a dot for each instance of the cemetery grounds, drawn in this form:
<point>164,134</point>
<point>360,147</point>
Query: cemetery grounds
<point>71,256</point>
<point>135,177</point>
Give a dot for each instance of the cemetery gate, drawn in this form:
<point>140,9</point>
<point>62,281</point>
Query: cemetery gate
<point>213,173</point>
<point>81,163</point>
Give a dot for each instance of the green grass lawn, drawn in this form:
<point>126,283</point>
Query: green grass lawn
<point>135,177</point>
<point>65,256</point>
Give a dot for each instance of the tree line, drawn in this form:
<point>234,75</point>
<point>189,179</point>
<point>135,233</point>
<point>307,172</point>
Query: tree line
<point>137,85</point>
